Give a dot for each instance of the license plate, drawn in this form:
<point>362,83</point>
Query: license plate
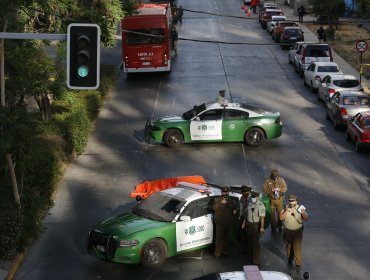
<point>100,248</point>
<point>146,63</point>
<point>294,38</point>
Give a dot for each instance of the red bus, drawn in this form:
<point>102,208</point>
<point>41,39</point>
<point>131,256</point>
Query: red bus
<point>146,39</point>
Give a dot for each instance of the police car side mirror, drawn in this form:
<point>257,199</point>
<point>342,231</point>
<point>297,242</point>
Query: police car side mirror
<point>185,218</point>
<point>197,119</point>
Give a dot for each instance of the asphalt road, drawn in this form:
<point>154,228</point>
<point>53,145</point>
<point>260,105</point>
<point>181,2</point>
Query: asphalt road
<point>319,165</point>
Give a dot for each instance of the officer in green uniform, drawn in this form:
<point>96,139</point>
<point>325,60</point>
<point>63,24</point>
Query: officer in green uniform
<point>225,211</point>
<point>293,216</point>
<point>254,224</point>
<point>243,203</point>
<point>275,187</point>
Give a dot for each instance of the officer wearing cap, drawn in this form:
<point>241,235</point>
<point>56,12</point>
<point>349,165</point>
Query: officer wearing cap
<point>293,216</point>
<point>254,224</point>
<point>225,211</point>
<point>243,203</point>
<point>221,98</point>
<point>275,187</point>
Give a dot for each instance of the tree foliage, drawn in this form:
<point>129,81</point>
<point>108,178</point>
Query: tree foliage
<point>364,6</point>
<point>331,9</point>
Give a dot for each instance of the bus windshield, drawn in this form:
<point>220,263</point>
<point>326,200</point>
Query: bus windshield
<point>145,36</point>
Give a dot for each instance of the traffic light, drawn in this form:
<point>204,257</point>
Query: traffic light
<point>83,56</point>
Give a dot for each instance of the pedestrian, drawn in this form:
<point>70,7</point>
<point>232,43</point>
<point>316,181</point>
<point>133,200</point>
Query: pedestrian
<point>243,204</point>
<point>225,210</point>
<point>254,5</point>
<point>275,187</point>
<point>175,38</point>
<point>180,13</point>
<point>248,3</point>
<point>321,34</point>
<point>254,226</point>
<point>301,11</point>
<point>221,98</point>
<point>293,216</point>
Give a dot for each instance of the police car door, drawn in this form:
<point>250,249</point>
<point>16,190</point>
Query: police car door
<point>194,227</point>
<point>207,126</point>
<point>234,125</point>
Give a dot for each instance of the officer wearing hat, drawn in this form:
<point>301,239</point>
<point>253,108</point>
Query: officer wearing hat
<point>225,211</point>
<point>293,216</point>
<point>243,203</point>
<point>254,224</point>
<point>221,98</point>
<point>275,187</point>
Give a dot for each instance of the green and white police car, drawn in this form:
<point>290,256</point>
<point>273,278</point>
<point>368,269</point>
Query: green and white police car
<point>168,223</point>
<point>233,122</point>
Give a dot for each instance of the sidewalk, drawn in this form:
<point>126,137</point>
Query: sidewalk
<point>311,37</point>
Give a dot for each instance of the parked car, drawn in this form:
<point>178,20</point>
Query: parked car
<point>317,71</point>
<point>267,14</point>
<point>337,82</point>
<point>274,19</point>
<point>278,29</point>
<point>312,52</point>
<point>358,130</point>
<point>234,122</point>
<point>263,6</point>
<point>345,104</point>
<point>292,52</point>
<point>290,35</point>
<point>166,224</point>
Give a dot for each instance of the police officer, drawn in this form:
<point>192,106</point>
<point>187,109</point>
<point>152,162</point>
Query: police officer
<point>225,211</point>
<point>175,38</point>
<point>254,224</point>
<point>275,187</point>
<point>221,98</point>
<point>243,203</point>
<point>293,216</point>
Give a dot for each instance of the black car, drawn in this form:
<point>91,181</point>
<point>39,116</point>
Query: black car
<point>290,36</point>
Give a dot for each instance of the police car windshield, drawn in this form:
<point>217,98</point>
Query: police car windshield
<point>160,207</point>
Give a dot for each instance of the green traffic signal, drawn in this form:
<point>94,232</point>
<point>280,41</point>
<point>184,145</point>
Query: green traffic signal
<point>83,71</point>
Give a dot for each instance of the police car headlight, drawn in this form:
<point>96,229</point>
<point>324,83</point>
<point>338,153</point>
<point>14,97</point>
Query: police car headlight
<point>128,243</point>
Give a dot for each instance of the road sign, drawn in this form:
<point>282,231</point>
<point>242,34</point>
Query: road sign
<point>361,46</point>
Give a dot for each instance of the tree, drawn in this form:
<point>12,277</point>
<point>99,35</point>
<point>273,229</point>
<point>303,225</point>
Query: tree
<point>330,11</point>
<point>363,6</point>
<point>50,16</point>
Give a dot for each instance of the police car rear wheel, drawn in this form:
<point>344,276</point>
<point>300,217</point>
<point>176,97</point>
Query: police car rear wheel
<point>173,137</point>
<point>153,253</point>
<point>254,137</point>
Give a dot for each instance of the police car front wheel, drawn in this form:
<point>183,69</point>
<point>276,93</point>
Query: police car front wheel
<point>153,253</point>
<point>173,137</point>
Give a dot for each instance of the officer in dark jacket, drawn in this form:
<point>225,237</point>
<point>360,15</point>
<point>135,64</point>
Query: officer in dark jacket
<point>321,34</point>
<point>225,211</point>
<point>175,38</point>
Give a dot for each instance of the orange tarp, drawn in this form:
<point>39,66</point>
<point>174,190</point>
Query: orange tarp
<point>147,188</point>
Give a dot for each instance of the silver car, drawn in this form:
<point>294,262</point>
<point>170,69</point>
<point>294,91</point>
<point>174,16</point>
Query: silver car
<point>337,82</point>
<point>344,105</point>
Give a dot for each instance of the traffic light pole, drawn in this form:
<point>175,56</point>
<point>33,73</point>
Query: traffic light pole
<point>33,36</point>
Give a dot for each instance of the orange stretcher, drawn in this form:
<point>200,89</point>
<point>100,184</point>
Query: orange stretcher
<point>147,188</point>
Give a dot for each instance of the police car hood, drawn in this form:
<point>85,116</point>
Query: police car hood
<point>127,224</point>
<point>172,118</point>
